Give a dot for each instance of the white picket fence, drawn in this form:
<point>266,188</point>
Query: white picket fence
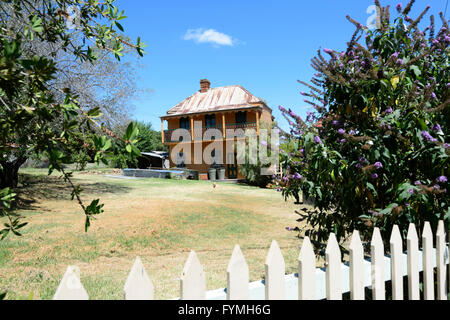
<point>310,283</point>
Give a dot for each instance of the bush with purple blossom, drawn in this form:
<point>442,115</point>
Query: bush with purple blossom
<point>382,137</point>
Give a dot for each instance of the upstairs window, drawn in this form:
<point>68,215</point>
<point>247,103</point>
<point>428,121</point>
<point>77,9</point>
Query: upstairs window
<point>210,121</point>
<point>185,123</point>
<point>241,117</point>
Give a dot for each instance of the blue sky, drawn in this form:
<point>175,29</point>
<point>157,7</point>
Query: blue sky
<point>263,45</point>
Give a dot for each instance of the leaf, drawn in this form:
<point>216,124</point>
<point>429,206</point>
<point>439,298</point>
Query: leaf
<point>416,70</point>
<point>94,112</point>
<point>106,145</point>
<point>119,26</point>
<point>135,150</point>
<point>394,81</point>
<point>36,24</point>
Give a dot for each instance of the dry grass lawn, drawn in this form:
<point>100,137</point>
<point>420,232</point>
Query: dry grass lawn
<point>158,220</point>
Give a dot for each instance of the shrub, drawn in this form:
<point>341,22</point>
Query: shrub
<point>376,150</point>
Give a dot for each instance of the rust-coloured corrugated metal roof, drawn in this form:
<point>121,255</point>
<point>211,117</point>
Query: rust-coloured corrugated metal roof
<point>215,99</point>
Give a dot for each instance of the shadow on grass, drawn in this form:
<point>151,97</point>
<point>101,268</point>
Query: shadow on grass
<point>33,187</point>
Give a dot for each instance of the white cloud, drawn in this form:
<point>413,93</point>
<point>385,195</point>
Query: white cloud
<point>209,36</point>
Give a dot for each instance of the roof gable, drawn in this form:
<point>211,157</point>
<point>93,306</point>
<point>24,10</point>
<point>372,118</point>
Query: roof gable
<point>215,99</point>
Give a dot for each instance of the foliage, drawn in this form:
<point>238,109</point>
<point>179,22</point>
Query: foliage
<point>13,225</point>
<point>376,152</point>
<point>149,139</point>
<point>29,105</point>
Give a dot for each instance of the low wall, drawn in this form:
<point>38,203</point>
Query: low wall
<point>162,174</point>
<point>149,173</point>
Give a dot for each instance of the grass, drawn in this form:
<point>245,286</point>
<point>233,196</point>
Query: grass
<point>156,219</point>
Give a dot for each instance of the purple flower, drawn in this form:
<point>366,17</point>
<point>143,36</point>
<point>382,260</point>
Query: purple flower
<point>378,165</point>
<point>399,7</point>
<point>436,128</point>
<point>342,141</point>
<point>442,179</point>
<point>399,62</point>
<point>285,178</point>
<point>362,160</point>
<point>427,136</point>
<point>341,131</point>
<point>317,140</point>
<point>279,189</point>
<point>302,150</point>
<point>374,176</point>
<point>395,54</point>
<point>329,51</point>
<point>407,205</point>
<point>303,93</point>
<point>297,176</point>
<point>446,145</point>
<point>417,183</point>
<point>388,110</point>
<point>436,187</point>
<point>374,213</point>
<point>410,191</point>
<point>264,143</point>
<point>433,96</point>
<point>358,165</point>
<point>335,122</point>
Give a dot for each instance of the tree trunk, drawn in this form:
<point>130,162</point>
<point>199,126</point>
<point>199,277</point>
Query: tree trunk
<point>9,174</point>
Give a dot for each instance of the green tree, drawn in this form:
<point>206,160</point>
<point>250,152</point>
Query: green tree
<point>149,139</point>
<point>30,105</point>
<point>378,152</point>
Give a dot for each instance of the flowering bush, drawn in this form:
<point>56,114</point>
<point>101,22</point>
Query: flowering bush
<point>376,149</point>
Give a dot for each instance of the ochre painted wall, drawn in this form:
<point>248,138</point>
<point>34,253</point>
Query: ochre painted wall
<point>230,118</point>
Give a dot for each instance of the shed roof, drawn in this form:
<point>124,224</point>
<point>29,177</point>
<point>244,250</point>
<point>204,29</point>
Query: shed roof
<point>216,99</point>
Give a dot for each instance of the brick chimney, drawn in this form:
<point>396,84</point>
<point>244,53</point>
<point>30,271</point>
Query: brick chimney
<point>204,85</point>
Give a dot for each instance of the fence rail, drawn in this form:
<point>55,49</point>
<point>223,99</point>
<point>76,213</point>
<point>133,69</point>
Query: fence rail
<point>310,283</point>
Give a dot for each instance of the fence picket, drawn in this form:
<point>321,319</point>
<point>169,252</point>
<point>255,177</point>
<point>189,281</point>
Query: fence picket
<point>412,243</point>
<point>428,272</point>
<point>377,254</point>
<point>70,287</point>
<point>307,272</point>
<point>440,262</point>
<point>193,280</point>
<point>312,283</point>
<point>138,285</point>
<point>237,276</point>
<point>333,269</point>
<point>396,246</point>
<point>275,269</point>
<point>356,267</point>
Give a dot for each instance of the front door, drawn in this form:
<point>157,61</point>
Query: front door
<point>231,166</point>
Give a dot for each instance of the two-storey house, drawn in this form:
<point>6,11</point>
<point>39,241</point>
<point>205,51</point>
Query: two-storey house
<point>221,108</point>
